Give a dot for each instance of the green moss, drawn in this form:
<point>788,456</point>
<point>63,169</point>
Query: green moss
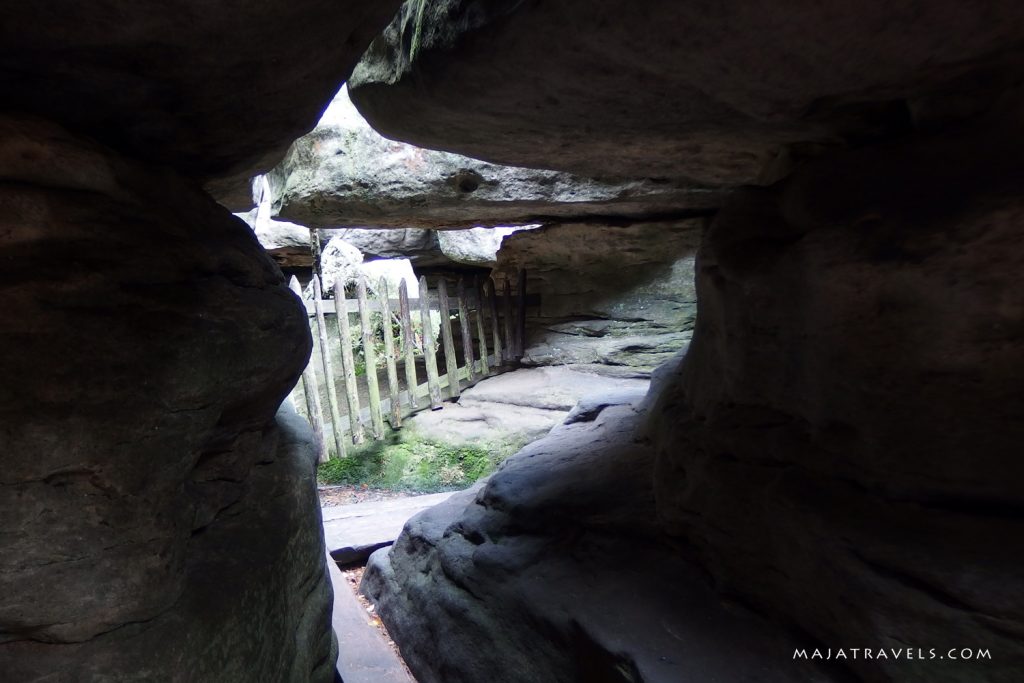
<point>407,462</point>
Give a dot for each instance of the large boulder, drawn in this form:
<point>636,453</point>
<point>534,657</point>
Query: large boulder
<point>557,564</point>
<point>724,93</point>
<point>617,298</point>
<point>344,174</point>
<point>217,91</point>
<point>158,523</point>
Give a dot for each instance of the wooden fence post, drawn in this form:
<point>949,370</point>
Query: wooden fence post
<point>510,349</point>
<point>312,392</point>
<point>492,291</point>
<point>467,336</point>
<point>370,357</point>
<point>429,347</point>
<point>451,363</point>
<point>481,333</point>
<point>521,322</point>
<point>389,354</point>
<point>348,363</point>
<point>325,358</point>
<point>408,343</point>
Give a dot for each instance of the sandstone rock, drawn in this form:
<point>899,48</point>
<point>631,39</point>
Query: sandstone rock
<point>286,243</point>
<point>216,92</point>
<point>619,299</point>
<point>344,174</point>
<point>419,246</point>
<point>725,95</point>
<point>157,524</point>
<point>847,424</point>
<point>556,564</point>
<point>475,246</point>
<point>339,261</point>
<point>521,406</point>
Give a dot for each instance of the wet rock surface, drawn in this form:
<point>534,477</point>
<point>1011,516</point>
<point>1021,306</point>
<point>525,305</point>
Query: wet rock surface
<point>140,459</point>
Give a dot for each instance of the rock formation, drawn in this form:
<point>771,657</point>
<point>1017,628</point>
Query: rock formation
<point>344,173</point>
<point>835,459</point>
<point>618,299</point>
<point>722,95</point>
<point>160,521</point>
<point>213,92</point>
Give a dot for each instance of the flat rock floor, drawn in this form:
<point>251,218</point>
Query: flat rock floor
<point>364,656</point>
<point>353,532</point>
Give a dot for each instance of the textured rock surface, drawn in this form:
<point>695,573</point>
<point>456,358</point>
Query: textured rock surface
<point>847,424</point>
<point>724,93</point>
<point>619,299</point>
<point>475,246</point>
<point>157,525</point>
<point>521,406</point>
<point>419,246</point>
<point>344,173</point>
<point>339,261</point>
<point>556,562</point>
<point>287,243</point>
<point>217,92</point>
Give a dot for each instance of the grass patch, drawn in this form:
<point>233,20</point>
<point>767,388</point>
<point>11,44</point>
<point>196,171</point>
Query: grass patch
<point>402,461</point>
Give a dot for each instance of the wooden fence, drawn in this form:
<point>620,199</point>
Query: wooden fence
<point>474,310</point>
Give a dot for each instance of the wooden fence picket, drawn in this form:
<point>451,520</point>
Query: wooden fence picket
<point>408,343</point>
<point>325,359</point>
<point>429,347</point>
<point>480,332</point>
<point>450,361</point>
<point>370,358</point>
<point>467,335</point>
<point>348,363</point>
<point>389,354</point>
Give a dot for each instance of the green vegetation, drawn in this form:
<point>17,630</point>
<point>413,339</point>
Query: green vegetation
<point>408,462</point>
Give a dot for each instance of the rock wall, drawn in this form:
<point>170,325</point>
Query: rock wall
<point>617,299</point>
<point>868,444</point>
<point>156,526</point>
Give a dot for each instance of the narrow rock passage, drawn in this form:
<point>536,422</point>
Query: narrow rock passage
<point>365,657</point>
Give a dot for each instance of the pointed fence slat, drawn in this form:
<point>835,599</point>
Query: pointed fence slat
<point>348,364</point>
<point>450,361</point>
<point>480,332</point>
<point>467,335</point>
<point>492,301</point>
<point>429,347</point>
<point>325,359</point>
<point>521,313</point>
<point>510,349</point>
<point>370,358</point>
<point>389,355</point>
<point>312,392</point>
<point>408,342</point>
